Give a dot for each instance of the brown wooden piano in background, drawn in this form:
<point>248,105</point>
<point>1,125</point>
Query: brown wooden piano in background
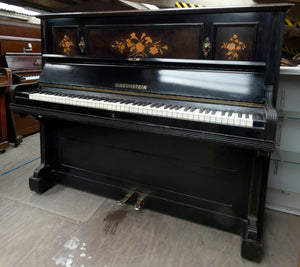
<point>26,68</point>
<point>10,47</point>
<point>5,83</point>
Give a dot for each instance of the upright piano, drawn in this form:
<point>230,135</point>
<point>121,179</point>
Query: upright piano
<point>171,110</point>
<point>5,83</point>
<point>26,68</point>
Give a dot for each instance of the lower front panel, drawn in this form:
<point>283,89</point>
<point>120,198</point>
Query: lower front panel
<point>175,175</point>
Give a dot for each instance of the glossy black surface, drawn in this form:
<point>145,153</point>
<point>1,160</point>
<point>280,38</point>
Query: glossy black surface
<point>209,173</point>
<point>195,81</point>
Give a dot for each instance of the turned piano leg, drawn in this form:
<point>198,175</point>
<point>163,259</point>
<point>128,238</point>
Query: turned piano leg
<point>252,240</point>
<point>43,178</point>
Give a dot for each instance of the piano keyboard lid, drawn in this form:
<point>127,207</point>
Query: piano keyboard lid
<point>24,61</point>
<point>218,80</point>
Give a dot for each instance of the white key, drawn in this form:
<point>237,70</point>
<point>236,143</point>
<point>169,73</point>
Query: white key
<point>213,118</point>
<point>207,116</point>
<point>250,121</point>
<point>236,119</point>
<point>198,115</point>
<point>243,121</point>
<point>230,119</point>
<point>219,117</point>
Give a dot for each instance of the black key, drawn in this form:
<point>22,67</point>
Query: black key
<point>159,105</point>
<point>153,105</point>
<point>167,106</point>
<point>240,115</point>
<point>214,112</point>
<point>207,111</point>
<point>223,113</point>
<point>247,116</point>
<point>192,109</point>
<point>187,108</point>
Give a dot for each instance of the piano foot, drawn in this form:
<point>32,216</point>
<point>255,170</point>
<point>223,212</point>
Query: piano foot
<point>3,146</point>
<point>125,199</point>
<point>18,140</point>
<point>251,250</point>
<point>42,179</point>
<point>137,205</point>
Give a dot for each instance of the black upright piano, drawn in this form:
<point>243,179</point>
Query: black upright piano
<point>171,110</point>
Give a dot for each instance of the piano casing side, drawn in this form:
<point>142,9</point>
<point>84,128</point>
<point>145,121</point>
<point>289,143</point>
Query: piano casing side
<point>22,64</point>
<point>210,174</point>
<point>5,83</point>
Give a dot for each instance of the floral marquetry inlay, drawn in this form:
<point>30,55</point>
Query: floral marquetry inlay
<point>234,47</point>
<point>142,46</point>
<point>66,44</point>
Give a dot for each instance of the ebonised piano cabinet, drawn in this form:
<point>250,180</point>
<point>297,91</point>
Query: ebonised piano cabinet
<point>204,59</point>
<point>5,83</point>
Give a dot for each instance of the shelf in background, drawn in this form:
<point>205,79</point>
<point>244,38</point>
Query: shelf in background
<point>290,70</point>
<point>292,115</point>
<point>286,156</point>
<point>284,201</point>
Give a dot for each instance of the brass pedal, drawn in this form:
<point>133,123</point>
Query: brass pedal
<point>137,205</point>
<point>125,199</point>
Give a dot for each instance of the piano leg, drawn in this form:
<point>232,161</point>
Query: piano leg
<point>11,127</point>
<point>252,238</point>
<point>43,177</point>
<point>3,132</point>
<point>3,146</point>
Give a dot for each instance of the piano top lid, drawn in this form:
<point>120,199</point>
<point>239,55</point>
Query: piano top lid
<point>223,9</point>
<point>24,61</point>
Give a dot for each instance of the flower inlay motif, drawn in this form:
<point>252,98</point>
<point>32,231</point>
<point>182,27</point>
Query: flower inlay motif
<point>142,46</point>
<point>234,47</point>
<point>66,44</point>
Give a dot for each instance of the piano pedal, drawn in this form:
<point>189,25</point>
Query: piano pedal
<point>125,199</point>
<point>137,205</point>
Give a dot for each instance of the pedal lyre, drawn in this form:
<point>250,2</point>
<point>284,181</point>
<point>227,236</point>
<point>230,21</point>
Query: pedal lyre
<point>125,199</point>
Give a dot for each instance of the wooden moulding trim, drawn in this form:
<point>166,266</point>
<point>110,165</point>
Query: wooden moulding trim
<point>19,24</point>
<point>14,38</point>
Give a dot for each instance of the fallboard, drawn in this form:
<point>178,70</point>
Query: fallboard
<point>156,80</point>
<point>24,61</point>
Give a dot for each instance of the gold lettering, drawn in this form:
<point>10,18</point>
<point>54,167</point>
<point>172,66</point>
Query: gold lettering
<point>131,86</point>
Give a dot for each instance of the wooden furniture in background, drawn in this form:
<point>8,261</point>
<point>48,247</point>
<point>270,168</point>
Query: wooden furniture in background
<point>26,68</point>
<point>18,126</point>
<point>5,83</point>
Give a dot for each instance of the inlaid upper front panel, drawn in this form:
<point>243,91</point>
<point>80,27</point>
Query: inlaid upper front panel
<point>235,41</point>
<point>138,41</point>
<point>241,36</point>
<point>65,40</point>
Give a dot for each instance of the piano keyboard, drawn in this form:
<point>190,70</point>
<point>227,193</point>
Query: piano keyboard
<point>30,77</point>
<point>152,109</point>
